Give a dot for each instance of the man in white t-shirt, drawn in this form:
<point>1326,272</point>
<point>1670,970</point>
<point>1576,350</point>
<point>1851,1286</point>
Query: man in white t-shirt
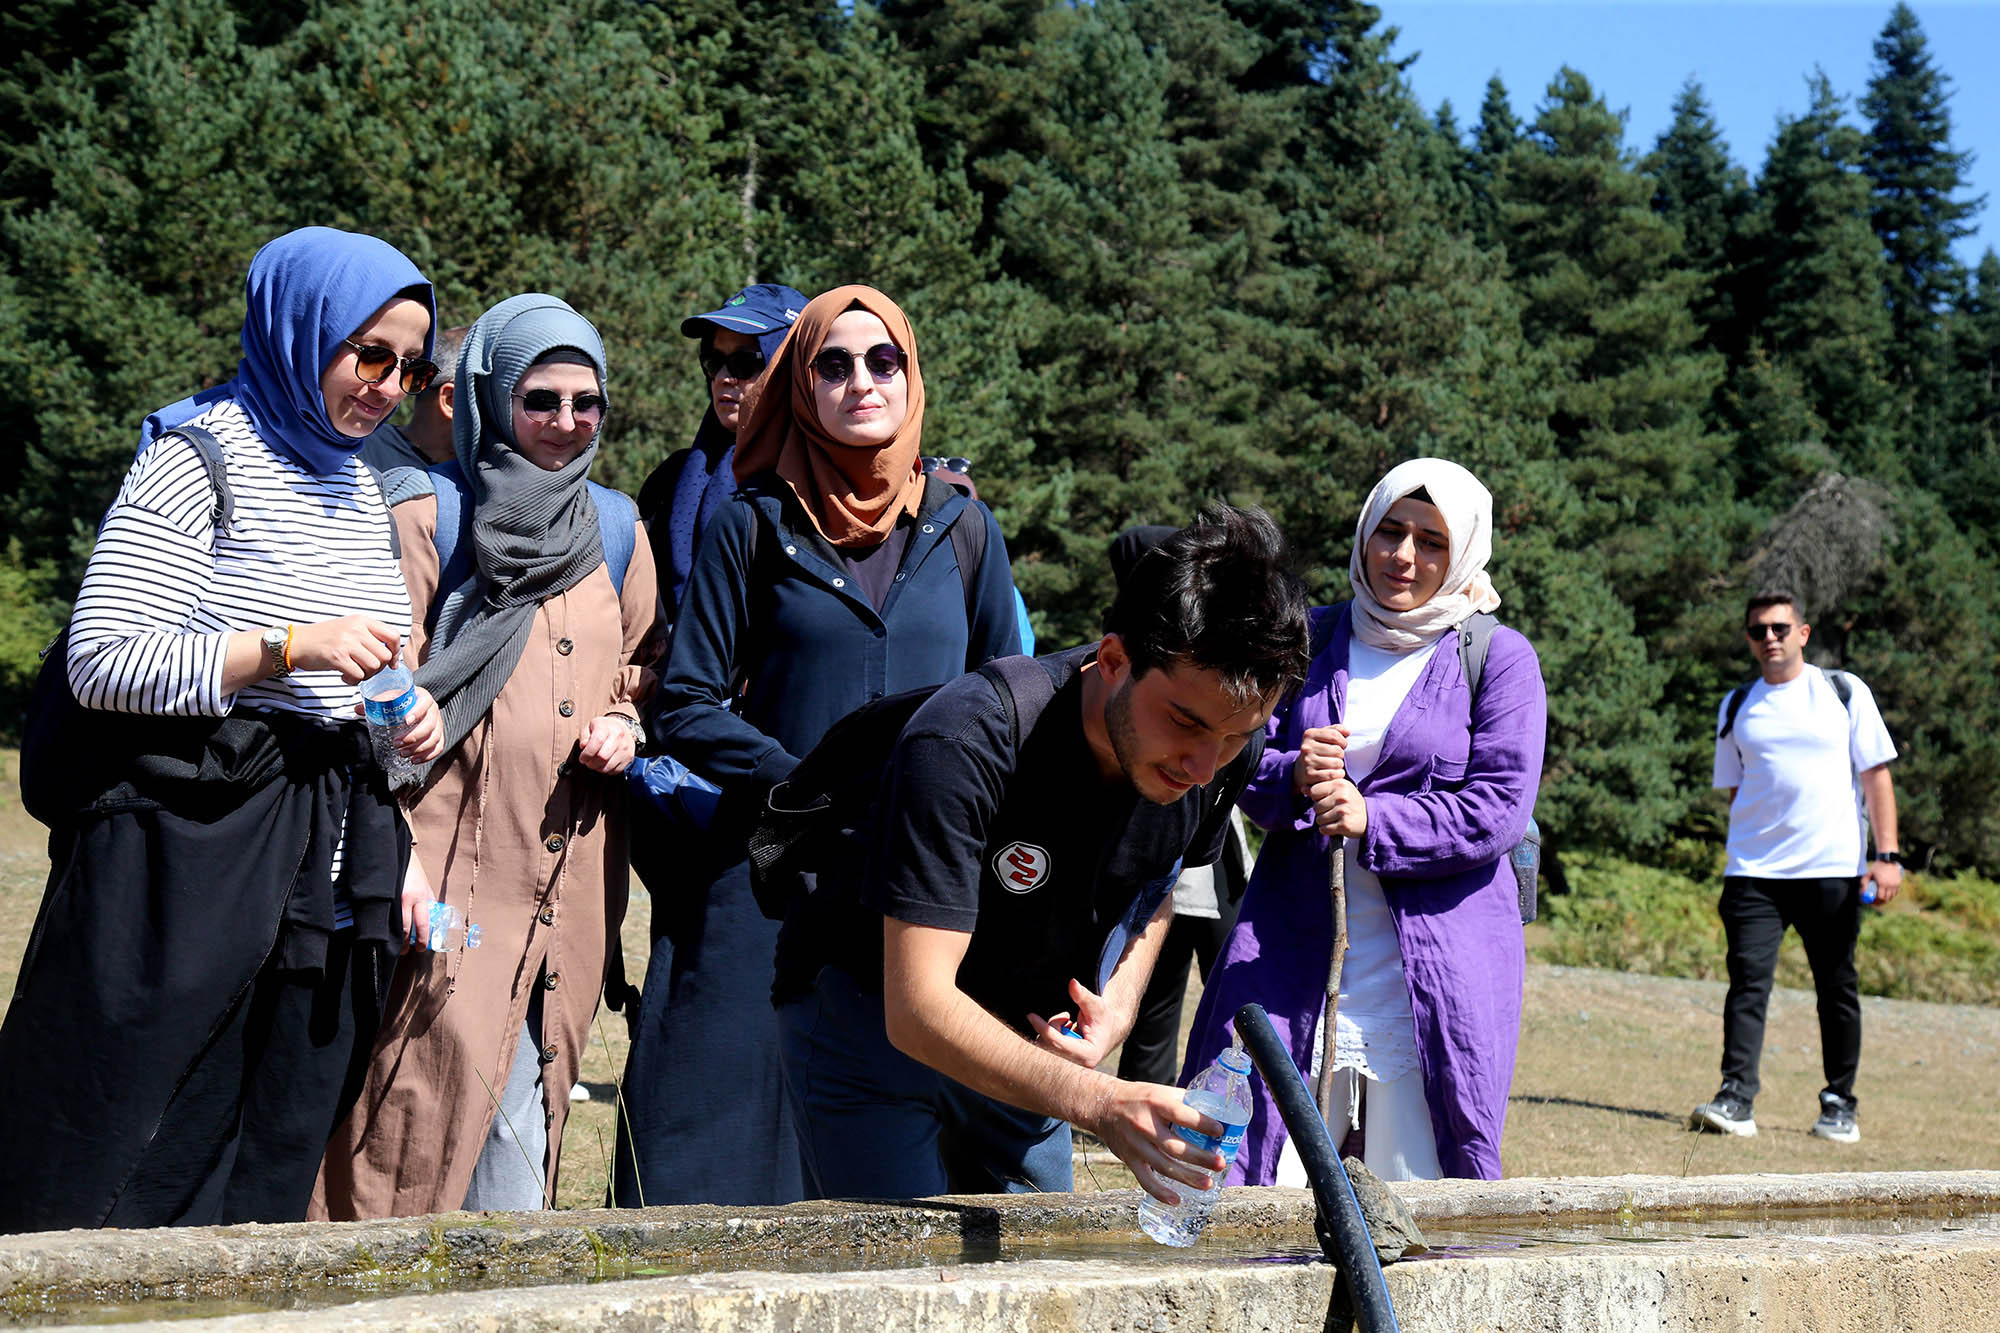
<point>1802,752</point>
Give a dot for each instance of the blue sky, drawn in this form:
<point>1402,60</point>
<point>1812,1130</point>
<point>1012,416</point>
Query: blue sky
<point>1752,60</point>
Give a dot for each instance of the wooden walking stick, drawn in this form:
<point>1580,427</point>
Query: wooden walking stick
<point>1337,883</point>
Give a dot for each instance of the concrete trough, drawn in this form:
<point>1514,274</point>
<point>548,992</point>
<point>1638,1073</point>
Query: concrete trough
<point>1773,1253</point>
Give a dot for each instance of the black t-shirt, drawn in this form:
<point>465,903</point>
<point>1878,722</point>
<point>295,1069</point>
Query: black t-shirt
<point>1028,849</point>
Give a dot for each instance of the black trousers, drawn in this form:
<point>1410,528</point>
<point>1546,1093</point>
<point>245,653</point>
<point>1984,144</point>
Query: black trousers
<point>1827,915</point>
<point>242,1139</point>
<point>1151,1053</point>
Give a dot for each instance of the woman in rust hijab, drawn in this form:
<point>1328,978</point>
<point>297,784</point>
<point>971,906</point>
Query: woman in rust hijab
<point>836,574</point>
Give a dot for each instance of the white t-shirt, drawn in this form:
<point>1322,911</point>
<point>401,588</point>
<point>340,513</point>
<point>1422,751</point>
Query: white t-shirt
<point>1793,756</point>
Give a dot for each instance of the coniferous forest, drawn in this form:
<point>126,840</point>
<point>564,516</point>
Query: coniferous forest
<point>1156,251</point>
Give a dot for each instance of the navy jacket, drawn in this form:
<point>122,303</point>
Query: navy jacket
<point>798,636</point>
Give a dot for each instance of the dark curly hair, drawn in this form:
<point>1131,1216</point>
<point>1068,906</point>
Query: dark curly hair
<point>1218,595</point>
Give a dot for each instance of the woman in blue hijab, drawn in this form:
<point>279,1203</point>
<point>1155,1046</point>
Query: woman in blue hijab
<point>223,912</point>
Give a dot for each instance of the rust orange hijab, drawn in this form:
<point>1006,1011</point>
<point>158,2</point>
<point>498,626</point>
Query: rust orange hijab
<point>853,495</point>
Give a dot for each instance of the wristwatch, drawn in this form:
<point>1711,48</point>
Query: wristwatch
<point>278,650</point>
<point>1888,858</point>
<point>636,727</point>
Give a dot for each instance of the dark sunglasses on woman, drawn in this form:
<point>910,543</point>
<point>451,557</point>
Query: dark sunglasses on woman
<point>745,363</point>
<point>373,362</point>
<point>835,365</point>
<point>542,406</point>
<point>962,466</point>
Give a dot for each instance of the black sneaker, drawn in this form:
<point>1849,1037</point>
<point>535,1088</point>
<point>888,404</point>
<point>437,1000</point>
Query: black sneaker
<point>1836,1119</point>
<point>1727,1113</point>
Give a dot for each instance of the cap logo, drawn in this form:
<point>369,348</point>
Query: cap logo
<point>1021,867</point>
<point>790,314</point>
<point>737,299</point>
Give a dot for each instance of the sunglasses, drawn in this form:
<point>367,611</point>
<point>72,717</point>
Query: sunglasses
<point>543,405</point>
<point>835,365</point>
<point>745,363</point>
<point>373,362</point>
<point>962,466</point>
<point>1777,629</point>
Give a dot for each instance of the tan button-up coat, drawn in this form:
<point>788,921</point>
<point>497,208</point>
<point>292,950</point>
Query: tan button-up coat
<point>531,846</point>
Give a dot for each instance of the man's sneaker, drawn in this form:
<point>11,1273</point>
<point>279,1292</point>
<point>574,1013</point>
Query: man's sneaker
<point>1726,1114</point>
<point>1836,1119</point>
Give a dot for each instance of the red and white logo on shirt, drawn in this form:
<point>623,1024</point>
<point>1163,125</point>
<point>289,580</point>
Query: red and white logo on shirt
<point>1021,867</point>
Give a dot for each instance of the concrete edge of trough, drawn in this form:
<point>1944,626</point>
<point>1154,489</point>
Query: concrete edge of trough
<point>1834,1284</point>
<point>50,1264</point>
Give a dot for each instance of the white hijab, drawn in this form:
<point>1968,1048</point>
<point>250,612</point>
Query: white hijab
<point>1467,507</point>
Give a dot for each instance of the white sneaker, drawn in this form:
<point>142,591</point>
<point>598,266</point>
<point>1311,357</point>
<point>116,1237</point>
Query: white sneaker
<point>1726,1114</point>
<point>1836,1119</point>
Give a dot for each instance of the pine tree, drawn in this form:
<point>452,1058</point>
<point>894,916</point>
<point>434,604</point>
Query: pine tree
<point>1597,268</point>
<point>1695,184</point>
<point>41,43</point>
<point>1961,464</point>
<point>1918,178</point>
<point>1607,302</point>
<point>1699,190</point>
<point>1493,140</point>
<point>1136,401</point>
<point>1816,281</point>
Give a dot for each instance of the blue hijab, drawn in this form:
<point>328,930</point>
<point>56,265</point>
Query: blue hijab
<point>307,290</point>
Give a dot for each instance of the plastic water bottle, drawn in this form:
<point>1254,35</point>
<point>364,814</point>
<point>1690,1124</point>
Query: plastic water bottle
<point>1867,893</point>
<point>445,931</point>
<point>389,699</point>
<point>1221,1092</point>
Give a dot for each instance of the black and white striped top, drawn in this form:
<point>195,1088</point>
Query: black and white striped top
<point>164,588</point>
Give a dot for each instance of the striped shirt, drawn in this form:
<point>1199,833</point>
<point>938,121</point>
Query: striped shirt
<point>165,588</point>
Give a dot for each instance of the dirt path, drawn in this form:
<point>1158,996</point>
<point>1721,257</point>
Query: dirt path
<point>1611,1063</point>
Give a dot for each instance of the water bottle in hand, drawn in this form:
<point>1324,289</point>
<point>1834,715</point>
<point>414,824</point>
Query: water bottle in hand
<point>1221,1092</point>
<point>389,699</point>
<point>444,930</point>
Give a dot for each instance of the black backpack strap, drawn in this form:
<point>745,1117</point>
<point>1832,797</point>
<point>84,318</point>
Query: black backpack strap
<point>1735,706</point>
<point>209,449</point>
<point>1843,685</point>
<point>968,543</point>
<point>1025,688</point>
<point>1475,636</point>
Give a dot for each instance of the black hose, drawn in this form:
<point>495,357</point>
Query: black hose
<point>1352,1250</point>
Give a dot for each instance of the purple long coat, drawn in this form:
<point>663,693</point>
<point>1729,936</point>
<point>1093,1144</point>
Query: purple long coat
<point>1448,799</point>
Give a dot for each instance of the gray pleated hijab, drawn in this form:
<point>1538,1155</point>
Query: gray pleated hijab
<point>534,532</point>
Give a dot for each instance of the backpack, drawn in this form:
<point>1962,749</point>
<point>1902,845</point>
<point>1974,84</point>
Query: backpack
<point>1475,635</point>
<point>809,818</point>
<point>58,730</point>
<point>1843,687</point>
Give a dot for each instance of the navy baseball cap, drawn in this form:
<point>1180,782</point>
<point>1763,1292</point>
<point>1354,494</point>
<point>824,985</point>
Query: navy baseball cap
<point>757,310</point>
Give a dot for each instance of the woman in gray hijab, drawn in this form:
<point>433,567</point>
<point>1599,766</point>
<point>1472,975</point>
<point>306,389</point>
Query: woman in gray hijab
<point>536,605</point>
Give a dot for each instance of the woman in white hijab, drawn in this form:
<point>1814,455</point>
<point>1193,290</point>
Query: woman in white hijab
<point>1429,784</point>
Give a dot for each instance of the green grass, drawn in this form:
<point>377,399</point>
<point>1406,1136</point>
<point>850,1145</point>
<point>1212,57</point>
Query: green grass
<point>1939,941</point>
